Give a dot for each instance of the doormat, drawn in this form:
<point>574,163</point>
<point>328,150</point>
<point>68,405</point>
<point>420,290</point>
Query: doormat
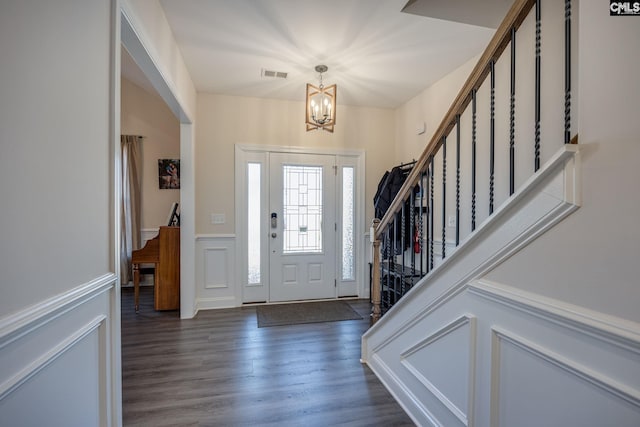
<point>307,312</point>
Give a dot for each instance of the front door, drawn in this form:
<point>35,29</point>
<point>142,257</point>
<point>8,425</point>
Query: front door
<point>302,226</point>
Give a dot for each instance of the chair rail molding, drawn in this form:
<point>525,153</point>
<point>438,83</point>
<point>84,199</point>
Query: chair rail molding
<point>18,324</point>
<point>70,336</point>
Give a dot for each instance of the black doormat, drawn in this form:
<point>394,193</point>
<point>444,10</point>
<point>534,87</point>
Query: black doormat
<point>307,312</point>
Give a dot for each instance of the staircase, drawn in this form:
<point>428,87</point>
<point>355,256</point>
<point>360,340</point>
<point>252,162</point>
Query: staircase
<point>453,345</point>
<point>493,320</point>
<point>442,203</point>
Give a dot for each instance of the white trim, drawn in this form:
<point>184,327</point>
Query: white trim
<point>17,325</point>
<point>360,282</point>
<point>200,237</point>
<point>188,293</point>
<point>613,330</point>
<point>138,48</point>
<point>605,328</point>
<point>576,369</point>
<point>429,308</point>
<point>257,292</point>
<point>450,327</point>
<point>215,286</point>
<point>112,405</point>
<point>298,150</point>
<point>215,303</point>
<point>224,257</point>
<point>149,233</point>
<point>34,367</point>
<point>400,392</point>
<point>215,272</point>
<point>33,338</point>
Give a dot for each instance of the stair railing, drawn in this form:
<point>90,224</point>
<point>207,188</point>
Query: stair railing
<point>409,223</point>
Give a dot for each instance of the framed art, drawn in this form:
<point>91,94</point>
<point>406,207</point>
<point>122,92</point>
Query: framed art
<point>169,173</point>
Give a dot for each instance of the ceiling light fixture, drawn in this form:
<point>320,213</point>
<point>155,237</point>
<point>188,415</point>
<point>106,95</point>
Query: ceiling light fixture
<point>321,104</point>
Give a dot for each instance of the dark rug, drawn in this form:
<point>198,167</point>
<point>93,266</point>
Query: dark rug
<point>307,312</point>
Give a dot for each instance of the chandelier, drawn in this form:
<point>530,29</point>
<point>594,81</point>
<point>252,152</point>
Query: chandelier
<point>321,104</point>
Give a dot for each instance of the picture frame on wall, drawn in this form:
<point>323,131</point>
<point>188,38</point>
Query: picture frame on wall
<point>169,174</point>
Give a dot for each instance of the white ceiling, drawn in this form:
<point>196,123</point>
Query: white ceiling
<point>378,55</point>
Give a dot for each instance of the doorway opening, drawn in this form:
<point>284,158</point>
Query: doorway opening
<point>300,228</point>
<point>142,58</point>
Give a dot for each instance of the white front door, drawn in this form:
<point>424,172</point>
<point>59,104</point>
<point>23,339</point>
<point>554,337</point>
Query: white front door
<point>302,227</point>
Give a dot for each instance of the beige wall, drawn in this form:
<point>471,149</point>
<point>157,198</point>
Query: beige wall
<point>591,258</point>
<point>55,171</point>
<point>146,114</point>
<point>223,121</point>
<point>428,107</point>
<point>431,105</point>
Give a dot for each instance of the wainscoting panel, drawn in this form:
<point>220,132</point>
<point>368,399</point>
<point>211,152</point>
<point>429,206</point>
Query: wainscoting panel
<point>215,272</point>
<point>589,397</point>
<point>443,362</point>
<point>57,364</point>
<point>520,359</point>
<point>535,360</point>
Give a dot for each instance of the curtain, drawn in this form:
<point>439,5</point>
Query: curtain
<point>130,203</point>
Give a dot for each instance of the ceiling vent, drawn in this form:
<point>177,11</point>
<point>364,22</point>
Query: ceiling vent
<point>274,74</point>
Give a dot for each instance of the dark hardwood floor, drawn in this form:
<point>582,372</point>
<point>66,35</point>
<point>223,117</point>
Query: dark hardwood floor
<point>220,369</point>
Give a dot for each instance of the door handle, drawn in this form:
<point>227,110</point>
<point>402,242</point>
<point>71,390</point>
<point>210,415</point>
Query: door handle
<point>274,235</point>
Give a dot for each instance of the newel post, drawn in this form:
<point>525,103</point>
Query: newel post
<point>375,273</point>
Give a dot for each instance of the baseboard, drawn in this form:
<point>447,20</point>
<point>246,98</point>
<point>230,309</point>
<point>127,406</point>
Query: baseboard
<point>215,303</point>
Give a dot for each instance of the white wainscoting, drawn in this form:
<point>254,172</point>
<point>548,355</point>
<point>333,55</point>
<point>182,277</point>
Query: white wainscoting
<point>215,272</point>
<point>459,350</point>
<point>581,367</point>
<point>147,234</point>
<point>493,355</point>
<point>58,359</point>
<point>444,363</point>
<point>216,282</point>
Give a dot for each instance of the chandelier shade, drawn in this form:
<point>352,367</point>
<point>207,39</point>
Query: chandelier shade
<point>321,105</point>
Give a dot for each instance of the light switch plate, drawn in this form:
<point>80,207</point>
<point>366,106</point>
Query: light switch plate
<point>218,218</point>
